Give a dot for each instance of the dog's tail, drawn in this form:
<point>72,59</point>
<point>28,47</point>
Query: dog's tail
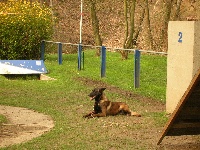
<point>135,114</point>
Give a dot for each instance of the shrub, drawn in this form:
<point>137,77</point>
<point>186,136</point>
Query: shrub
<point>22,27</point>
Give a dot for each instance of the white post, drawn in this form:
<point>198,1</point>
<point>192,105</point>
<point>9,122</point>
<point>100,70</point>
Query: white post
<point>81,21</point>
<point>51,6</point>
<point>183,59</point>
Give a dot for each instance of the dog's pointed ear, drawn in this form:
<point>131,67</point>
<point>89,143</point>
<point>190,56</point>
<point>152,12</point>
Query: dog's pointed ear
<point>101,89</point>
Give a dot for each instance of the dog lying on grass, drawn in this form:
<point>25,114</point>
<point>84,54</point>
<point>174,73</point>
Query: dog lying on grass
<point>104,107</point>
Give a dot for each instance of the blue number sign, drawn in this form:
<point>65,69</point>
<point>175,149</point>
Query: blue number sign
<point>180,34</point>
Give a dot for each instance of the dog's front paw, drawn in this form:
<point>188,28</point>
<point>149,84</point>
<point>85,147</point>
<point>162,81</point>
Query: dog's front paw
<point>87,115</point>
<point>90,115</point>
<point>84,116</point>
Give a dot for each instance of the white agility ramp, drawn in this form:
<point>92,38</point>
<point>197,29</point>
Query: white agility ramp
<point>22,67</point>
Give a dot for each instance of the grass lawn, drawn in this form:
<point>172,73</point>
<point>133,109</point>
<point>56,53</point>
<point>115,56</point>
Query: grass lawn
<point>121,73</point>
<point>2,119</point>
<point>66,101</point>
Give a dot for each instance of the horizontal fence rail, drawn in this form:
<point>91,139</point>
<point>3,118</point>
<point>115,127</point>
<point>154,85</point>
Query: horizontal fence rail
<point>114,49</point>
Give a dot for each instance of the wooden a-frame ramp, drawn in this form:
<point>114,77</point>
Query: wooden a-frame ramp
<point>185,120</point>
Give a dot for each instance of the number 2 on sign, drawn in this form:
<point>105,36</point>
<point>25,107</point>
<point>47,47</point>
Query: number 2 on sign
<point>180,34</point>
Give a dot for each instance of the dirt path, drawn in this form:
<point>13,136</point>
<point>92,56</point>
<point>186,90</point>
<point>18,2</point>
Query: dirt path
<point>23,125</point>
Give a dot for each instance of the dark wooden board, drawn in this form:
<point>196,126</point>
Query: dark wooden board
<point>185,120</point>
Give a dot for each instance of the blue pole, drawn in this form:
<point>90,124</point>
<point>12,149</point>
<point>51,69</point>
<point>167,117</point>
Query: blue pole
<point>103,61</point>
<point>83,59</point>
<point>42,48</point>
<point>137,69</point>
<point>59,53</point>
<point>79,56</point>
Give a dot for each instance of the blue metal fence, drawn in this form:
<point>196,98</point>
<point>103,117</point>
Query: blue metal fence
<point>103,58</point>
<point>79,57</point>
<point>137,69</point>
<point>103,61</point>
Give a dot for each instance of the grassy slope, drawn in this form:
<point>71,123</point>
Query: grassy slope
<point>66,101</point>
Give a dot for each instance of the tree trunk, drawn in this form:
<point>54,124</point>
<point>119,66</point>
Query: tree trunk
<point>177,13</point>
<point>148,24</point>
<point>129,27</point>
<point>95,25</point>
<point>137,32</point>
<point>167,11</point>
<point>126,22</point>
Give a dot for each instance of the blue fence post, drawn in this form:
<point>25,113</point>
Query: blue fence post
<point>79,56</point>
<point>83,60</point>
<point>137,69</point>
<point>59,53</point>
<point>42,48</point>
<point>103,61</point>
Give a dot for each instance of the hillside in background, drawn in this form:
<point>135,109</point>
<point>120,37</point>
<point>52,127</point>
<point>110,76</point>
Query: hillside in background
<point>111,19</point>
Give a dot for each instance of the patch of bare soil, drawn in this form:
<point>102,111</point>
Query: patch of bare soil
<point>150,134</point>
<point>23,125</point>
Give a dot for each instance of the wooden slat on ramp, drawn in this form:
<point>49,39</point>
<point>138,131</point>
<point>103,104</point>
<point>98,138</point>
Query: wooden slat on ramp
<point>185,119</point>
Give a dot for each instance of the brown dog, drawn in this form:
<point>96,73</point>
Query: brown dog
<point>104,107</point>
